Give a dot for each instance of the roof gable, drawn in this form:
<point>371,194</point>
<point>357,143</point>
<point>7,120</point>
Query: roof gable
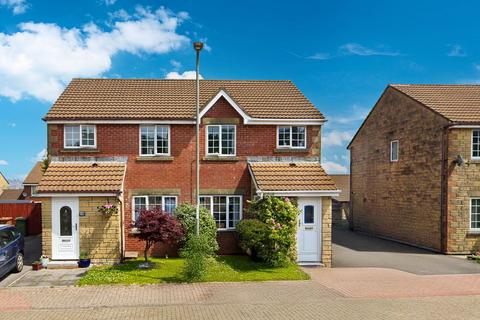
<point>231,102</point>
<point>35,174</point>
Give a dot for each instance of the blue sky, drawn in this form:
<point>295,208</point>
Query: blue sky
<point>341,54</point>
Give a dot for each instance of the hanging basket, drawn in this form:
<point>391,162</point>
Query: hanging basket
<point>108,209</point>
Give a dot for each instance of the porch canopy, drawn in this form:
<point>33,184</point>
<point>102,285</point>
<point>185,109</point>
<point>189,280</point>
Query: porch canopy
<point>292,179</point>
<point>86,177</point>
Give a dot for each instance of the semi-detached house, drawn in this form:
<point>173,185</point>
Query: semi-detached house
<point>133,141</point>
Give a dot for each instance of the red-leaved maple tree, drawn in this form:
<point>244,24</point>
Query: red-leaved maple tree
<point>154,226</point>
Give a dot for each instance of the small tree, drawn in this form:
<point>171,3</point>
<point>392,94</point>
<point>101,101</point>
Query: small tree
<point>157,226</point>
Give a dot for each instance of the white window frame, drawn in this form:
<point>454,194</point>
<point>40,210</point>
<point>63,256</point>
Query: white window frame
<point>80,127</point>
<point>291,138</point>
<point>219,153</point>
<point>155,140</point>
<point>473,133</point>
<point>147,204</point>
<point>391,150</point>
<point>227,220</point>
<point>470,215</point>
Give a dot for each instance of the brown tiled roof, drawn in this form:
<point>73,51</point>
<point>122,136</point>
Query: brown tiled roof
<point>285,176</point>
<point>342,181</point>
<point>101,177</point>
<point>11,194</point>
<point>458,103</point>
<point>91,99</point>
<point>35,174</point>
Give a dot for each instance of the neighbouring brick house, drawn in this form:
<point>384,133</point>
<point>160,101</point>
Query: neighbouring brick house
<point>341,203</point>
<point>415,167</point>
<point>133,140</point>
<point>3,183</point>
<point>32,180</point>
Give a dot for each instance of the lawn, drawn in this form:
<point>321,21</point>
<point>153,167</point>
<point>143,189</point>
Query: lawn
<point>221,269</point>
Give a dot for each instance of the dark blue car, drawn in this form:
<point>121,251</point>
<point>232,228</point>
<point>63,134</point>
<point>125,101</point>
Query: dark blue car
<point>11,250</point>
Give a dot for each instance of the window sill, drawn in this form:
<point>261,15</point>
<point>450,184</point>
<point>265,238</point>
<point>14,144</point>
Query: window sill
<point>290,150</point>
<point>226,230</point>
<point>473,233</point>
<point>134,231</point>
<point>220,158</point>
<point>154,158</point>
<point>80,150</point>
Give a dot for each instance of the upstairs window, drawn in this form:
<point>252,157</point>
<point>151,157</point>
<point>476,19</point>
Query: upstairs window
<point>221,140</point>
<point>476,144</point>
<point>165,203</point>
<point>291,137</point>
<point>394,148</point>
<point>154,140</point>
<point>80,136</point>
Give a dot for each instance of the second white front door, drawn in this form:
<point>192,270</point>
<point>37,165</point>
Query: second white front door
<point>309,230</point>
<point>65,225</point>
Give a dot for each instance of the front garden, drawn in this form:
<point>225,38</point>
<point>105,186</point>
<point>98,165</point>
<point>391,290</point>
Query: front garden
<point>267,237</point>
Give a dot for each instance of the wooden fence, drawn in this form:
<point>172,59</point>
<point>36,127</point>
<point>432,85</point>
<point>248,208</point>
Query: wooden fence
<point>26,209</point>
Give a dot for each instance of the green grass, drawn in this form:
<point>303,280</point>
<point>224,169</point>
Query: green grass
<point>221,269</point>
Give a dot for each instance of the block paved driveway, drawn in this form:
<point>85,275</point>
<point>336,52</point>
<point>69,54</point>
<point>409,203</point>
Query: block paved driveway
<point>352,249</point>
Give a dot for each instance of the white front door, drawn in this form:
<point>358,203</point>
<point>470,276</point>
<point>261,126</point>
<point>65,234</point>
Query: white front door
<point>65,235</point>
<point>309,230</point>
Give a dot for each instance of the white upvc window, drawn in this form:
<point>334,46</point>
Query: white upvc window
<point>226,210</point>
<point>221,140</point>
<point>165,203</point>
<point>394,149</point>
<point>154,140</point>
<point>475,214</point>
<point>294,137</point>
<point>476,144</point>
<point>79,136</point>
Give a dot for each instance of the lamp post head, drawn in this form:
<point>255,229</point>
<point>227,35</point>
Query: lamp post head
<point>198,46</point>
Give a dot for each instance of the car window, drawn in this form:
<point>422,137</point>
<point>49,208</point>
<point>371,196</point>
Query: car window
<point>6,236</point>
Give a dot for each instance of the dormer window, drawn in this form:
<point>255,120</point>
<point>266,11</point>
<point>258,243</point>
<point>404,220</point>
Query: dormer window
<point>80,136</point>
<point>293,137</point>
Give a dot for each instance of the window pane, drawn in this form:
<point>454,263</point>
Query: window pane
<point>140,203</point>
<point>475,214</point>
<point>394,151</point>
<point>284,136</point>
<point>476,143</point>
<point>147,134</point>
<point>233,211</point>
<point>72,136</point>
<point>65,221</point>
<point>205,202</point>
<point>88,135</point>
<point>213,139</point>
<point>155,202</point>
<point>228,140</point>
<point>308,215</point>
<point>162,140</point>
<point>170,204</point>
<point>220,211</point>
<point>298,137</point>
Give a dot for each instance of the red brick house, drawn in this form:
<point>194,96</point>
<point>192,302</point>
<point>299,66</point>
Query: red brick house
<point>134,140</point>
<point>415,167</point>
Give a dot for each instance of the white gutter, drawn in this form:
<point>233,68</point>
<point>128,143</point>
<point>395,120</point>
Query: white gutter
<point>466,126</point>
<point>77,194</point>
<point>305,193</point>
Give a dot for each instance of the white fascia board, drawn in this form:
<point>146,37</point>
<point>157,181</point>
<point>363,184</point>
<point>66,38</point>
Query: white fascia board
<point>307,193</point>
<point>121,121</point>
<point>299,122</point>
<point>466,126</point>
<point>30,184</point>
<point>42,195</point>
<point>220,94</point>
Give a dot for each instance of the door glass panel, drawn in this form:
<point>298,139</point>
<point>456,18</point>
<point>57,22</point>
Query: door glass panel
<point>308,214</point>
<point>65,221</point>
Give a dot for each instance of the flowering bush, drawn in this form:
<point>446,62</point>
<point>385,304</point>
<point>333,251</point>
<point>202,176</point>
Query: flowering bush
<point>276,241</point>
<point>107,209</point>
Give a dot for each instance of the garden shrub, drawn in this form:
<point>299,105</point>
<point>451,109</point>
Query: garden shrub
<point>280,217</point>
<point>253,236</point>
<point>186,214</point>
<point>197,251</point>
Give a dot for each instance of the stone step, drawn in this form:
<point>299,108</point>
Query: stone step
<point>62,264</point>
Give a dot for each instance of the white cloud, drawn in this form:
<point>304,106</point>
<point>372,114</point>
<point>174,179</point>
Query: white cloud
<point>355,114</point>
<point>12,124</point>
<point>333,167</point>
<point>336,138</point>
<point>456,51</point>
<point>110,2</point>
<point>3,163</point>
<point>359,50</point>
<point>184,76</point>
<point>319,56</point>
<point>41,58</point>
<point>17,6</point>
<point>42,154</point>
<point>176,64</point>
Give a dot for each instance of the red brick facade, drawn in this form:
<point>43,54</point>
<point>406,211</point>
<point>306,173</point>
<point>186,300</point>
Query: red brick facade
<point>175,175</point>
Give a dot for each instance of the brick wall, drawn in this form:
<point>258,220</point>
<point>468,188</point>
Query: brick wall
<point>463,183</point>
<point>175,175</point>
<point>399,200</point>
<point>327,231</point>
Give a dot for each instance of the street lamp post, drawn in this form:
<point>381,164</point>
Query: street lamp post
<point>198,47</point>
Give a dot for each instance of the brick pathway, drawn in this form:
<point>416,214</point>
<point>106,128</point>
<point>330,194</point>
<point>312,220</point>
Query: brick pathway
<point>260,300</point>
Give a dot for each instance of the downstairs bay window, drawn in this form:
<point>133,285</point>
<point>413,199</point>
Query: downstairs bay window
<point>226,210</point>
<point>165,203</point>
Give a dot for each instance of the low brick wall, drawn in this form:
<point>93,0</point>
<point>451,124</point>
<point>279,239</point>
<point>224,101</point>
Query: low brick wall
<point>327,231</point>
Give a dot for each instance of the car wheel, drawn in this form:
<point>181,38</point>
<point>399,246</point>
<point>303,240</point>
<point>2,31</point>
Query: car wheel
<point>19,263</point>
